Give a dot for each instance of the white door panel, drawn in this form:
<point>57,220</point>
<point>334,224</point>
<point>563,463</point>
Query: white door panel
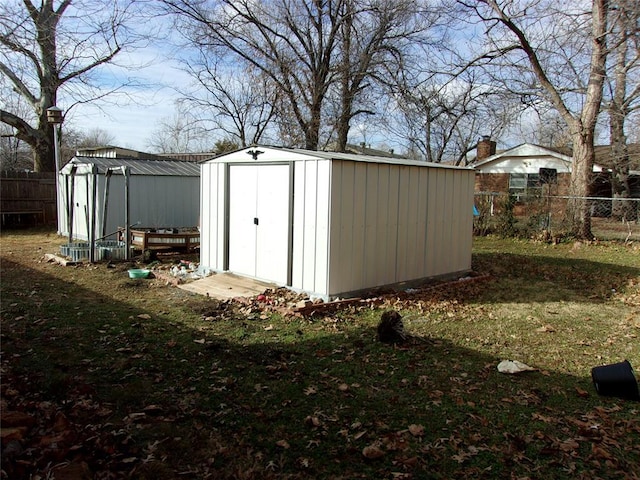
<point>273,221</point>
<point>242,209</point>
<point>259,221</point>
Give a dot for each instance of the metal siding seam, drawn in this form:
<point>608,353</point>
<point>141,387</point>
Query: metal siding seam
<point>217,202</point>
<point>226,206</point>
<point>346,244</point>
<point>202,223</point>
<point>425,188</point>
<point>414,205</point>
<point>355,225</point>
<point>299,205</point>
<point>423,197</point>
<point>401,251</point>
<point>214,218</point>
<point>351,231</point>
<point>442,220</point>
<point>369,240</point>
<point>330,228</point>
<point>361,182</point>
<point>290,226</point>
<point>396,238</point>
<point>327,240</point>
<point>315,164</point>
<point>455,226</point>
<point>371,217</point>
<point>450,195</point>
<point>220,206</point>
<point>432,219</point>
<point>387,240</point>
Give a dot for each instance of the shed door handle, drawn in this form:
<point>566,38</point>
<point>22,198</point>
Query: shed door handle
<point>255,220</point>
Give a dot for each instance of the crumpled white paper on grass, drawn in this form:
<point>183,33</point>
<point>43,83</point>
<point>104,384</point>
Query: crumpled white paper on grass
<point>513,366</point>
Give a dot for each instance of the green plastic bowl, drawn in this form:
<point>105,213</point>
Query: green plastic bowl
<point>139,273</point>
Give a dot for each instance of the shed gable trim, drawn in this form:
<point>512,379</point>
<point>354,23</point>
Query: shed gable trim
<point>269,154</point>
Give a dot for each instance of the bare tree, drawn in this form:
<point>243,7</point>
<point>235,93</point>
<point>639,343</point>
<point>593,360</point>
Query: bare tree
<point>178,133</point>
<point>375,37</point>
<point>45,48</point>
<point>548,129</point>
<point>317,57</point>
<point>239,104</point>
<point>292,43</point>
<point>14,154</point>
<point>225,145</point>
<point>95,137</point>
<point>623,97</point>
<point>538,40</point>
<point>443,118</point>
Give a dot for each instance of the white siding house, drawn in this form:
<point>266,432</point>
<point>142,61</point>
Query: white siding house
<point>525,158</point>
<point>333,224</point>
<point>518,170</point>
<point>162,193</point>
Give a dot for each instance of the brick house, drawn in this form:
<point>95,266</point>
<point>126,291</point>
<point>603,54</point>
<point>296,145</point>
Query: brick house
<point>529,169</point>
<point>521,170</point>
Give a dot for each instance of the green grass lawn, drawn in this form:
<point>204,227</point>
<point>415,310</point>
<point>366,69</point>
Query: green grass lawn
<point>137,379</point>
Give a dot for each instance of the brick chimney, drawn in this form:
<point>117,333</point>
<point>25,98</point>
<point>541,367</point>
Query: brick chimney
<point>486,147</point>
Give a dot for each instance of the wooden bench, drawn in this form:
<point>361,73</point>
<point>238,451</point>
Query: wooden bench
<point>38,216</point>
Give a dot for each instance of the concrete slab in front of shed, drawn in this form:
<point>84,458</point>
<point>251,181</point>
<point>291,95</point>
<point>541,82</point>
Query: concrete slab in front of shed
<point>227,285</point>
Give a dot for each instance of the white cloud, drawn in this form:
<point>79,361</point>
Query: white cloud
<point>132,113</point>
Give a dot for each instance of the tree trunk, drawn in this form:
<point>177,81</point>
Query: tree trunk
<point>583,128</point>
<point>342,129</point>
<point>43,155</point>
<point>618,113</point>
<point>312,130</point>
<point>581,174</point>
<point>619,171</point>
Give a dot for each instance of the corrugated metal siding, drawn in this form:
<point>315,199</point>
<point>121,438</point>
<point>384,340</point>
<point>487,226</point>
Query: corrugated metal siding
<point>212,217</point>
<point>310,225</point>
<point>392,224</point>
<point>82,184</point>
<point>154,201</point>
<point>207,219</point>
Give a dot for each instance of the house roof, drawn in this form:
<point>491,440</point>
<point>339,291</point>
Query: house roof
<point>138,166</point>
<point>275,153</point>
<point>604,156</point>
<point>524,150</point>
<point>188,157</point>
<point>112,151</point>
<point>364,150</point>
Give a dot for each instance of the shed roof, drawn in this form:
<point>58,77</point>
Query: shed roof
<point>138,166</point>
<point>328,156</point>
<point>112,151</point>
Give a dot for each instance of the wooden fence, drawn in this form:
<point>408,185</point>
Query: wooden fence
<point>27,199</point>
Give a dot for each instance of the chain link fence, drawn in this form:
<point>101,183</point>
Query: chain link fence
<point>546,216</point>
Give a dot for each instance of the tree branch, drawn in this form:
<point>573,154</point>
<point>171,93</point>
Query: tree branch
<point>20,87</point>
<point>538,70</point>
<point>25,133</point>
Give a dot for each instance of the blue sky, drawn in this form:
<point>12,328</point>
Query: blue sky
<point>132,114</point>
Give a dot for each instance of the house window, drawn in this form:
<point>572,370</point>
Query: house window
<point>524,183</point>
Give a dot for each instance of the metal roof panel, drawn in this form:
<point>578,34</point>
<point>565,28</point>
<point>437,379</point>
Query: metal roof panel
<point>141,167</point>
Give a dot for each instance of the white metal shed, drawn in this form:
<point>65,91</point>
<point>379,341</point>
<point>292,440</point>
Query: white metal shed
<point>334,224</point>
<point>162,193</point>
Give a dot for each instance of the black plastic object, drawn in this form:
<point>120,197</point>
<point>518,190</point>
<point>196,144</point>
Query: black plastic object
<point>616,380</point>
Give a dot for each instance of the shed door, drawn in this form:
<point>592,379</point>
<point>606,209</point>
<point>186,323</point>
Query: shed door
<point>259,221</point>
